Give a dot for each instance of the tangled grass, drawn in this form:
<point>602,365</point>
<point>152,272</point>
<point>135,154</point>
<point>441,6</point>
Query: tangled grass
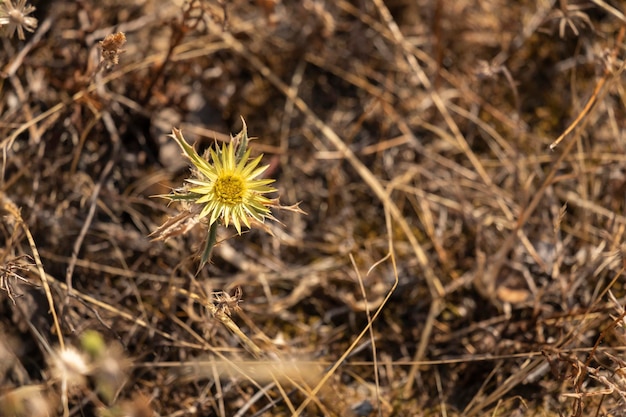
<point>461,164</point>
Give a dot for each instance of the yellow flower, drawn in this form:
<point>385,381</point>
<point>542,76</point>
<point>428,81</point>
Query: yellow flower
<point>227,187</point>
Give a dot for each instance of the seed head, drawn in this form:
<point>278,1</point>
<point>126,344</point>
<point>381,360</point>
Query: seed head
<point>112,48</point>
<point>14,17</point>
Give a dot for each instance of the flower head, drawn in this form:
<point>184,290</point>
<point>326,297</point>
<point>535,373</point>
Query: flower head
<point>14,17</point>
<point>225,187</point>
<point>228,187</point>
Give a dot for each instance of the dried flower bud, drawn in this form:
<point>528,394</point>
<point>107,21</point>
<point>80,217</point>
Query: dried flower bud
<point>112,48</point>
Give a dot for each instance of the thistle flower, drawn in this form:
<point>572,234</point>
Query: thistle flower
<point>224,188</point>
<point>228,188</point>
<point>14,17</point>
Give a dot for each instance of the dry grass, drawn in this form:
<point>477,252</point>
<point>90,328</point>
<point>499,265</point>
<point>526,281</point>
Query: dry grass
<point>462,164</point>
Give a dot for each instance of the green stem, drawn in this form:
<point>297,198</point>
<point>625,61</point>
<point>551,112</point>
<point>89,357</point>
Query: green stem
<point>208,247</point>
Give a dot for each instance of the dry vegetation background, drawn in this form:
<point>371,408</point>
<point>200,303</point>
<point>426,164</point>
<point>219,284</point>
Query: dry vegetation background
<point>450,262</point>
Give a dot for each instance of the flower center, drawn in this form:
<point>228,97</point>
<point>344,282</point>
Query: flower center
<point>229,190</point>
<point>16,16</point>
